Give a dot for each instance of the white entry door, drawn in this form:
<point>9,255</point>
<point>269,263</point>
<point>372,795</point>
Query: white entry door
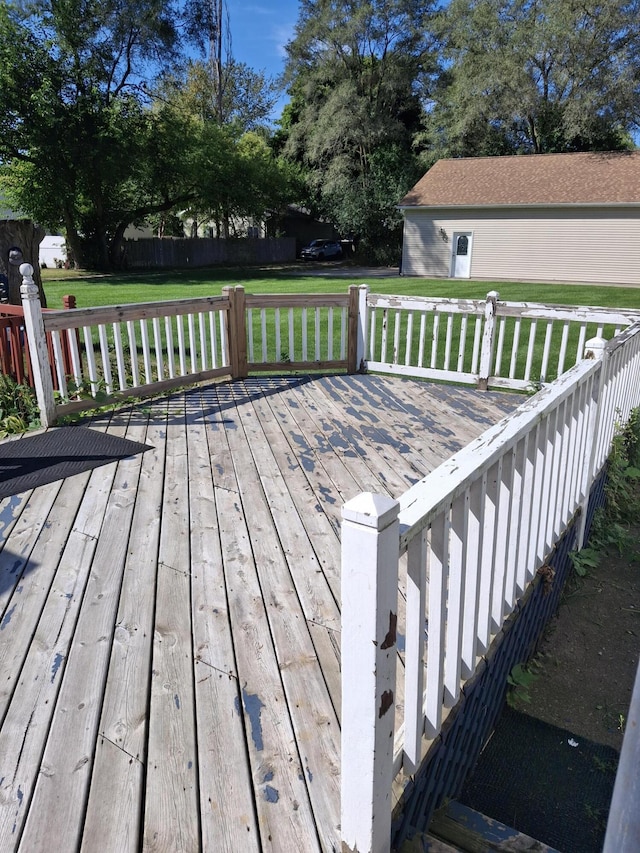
<point>461,254</point>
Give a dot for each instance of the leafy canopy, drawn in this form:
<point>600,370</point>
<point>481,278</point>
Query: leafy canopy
<point>90,143</point>
<point>537,76</point>
<point>356,72</point>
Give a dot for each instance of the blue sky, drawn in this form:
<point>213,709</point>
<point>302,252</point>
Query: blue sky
<point>259,31</point>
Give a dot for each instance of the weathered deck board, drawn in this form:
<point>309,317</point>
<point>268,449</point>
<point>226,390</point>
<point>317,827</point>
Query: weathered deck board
<point>59,798</point>
<point>114,806</point>
<point>307,698</point>
<point>170,626</point>
<point>226,798</point>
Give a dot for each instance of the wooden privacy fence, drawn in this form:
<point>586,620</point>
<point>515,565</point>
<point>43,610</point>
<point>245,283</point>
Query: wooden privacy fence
<point>204,251</point>
<point>475,532</point>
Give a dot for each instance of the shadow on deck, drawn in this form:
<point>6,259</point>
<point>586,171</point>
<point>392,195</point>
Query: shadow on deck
<point>170,625</point>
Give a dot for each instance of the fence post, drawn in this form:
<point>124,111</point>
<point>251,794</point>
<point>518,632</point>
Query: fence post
<point>352,330</point>
<point>34,327</point>
<point>237,331</point>
<point>486,352</point>
<point>363,320</point>
<point>370,533</point>
<point>594,348</point>
<point>623,823</point>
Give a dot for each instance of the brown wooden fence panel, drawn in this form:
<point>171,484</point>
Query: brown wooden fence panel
<point>15,359</point>
<point>202,251</point>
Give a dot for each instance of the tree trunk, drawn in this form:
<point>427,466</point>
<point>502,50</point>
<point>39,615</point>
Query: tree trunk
<point>117,248</point>
<point>75,253</point>
<point>25,236</point>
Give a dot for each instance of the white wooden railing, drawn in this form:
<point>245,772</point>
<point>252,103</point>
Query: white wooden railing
<point>111,353</point>
<point>300,331</point>
<point>114,352</point>
<point>453,555</point>
<point>494,344</point>
<point>475,532</point>
<point>623,824</point>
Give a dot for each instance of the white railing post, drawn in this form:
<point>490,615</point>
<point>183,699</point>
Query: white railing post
<point>490,307</point>
<point>363,320</point>
<point>370,547</point>
<point>34,327</point>
<point>594,348</point>
<point>623,824</point>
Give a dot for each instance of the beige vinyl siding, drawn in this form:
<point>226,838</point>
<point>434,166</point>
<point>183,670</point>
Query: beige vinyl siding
<point>535,244</point>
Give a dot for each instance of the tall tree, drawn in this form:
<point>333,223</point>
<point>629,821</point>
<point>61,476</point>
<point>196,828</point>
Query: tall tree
<point>19,243</point>
<point>356,71</point>
<point>248,178</point>
<point>222,89</point>
<point>73,128</point>
<point>85,143</point>
<point>247,99</point>
<point>225,90</point>
<point>537,76</point>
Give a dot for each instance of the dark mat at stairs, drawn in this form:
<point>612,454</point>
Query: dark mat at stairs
<point>56,454</point>
<point>545,782</point>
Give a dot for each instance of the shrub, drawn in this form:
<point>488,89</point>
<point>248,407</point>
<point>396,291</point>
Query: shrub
<point>18,407</point>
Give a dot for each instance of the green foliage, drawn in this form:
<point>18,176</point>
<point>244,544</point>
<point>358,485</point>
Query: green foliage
<point>96,145</point>
<point>610,528</point>
<point>18,407</point>
<point>519,681</point>
<point>621,491</point>
<point>550,76</point>
<point>355,78</point>
<point>248,96</point>
<point>74,149</point>
<point>588,558</point>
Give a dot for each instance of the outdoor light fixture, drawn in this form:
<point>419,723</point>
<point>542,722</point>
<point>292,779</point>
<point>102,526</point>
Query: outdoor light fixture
<point>443,234</point>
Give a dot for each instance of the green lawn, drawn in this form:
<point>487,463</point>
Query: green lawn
<point>178,284</point>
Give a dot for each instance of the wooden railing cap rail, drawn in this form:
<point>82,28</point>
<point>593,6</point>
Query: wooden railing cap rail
<point>78,317</point>
<point>526,310</point>
<point>297,300</point>
<point>426,303</point>
<point>7,310</point>
<point>592,314</point>
<point>620,340</point>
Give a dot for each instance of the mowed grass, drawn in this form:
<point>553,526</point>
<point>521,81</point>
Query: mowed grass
<point>118,289</point>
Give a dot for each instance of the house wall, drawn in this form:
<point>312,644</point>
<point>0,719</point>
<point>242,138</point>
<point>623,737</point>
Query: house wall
<point>535,244</point>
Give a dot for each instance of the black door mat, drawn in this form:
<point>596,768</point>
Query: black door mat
<point>545,782</point>
<point>56,454</point>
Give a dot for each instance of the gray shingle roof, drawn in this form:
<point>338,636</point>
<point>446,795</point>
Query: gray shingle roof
<point>534,179</point>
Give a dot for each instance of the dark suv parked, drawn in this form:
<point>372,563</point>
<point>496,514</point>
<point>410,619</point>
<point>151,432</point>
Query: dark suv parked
<point>319,250</point>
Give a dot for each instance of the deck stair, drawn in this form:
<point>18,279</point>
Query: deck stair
<point>462,829</point>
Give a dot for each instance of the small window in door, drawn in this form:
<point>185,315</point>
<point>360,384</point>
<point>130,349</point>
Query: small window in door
<point>462,246</point>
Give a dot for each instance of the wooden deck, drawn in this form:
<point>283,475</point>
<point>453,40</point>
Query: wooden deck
<point>170,632</point>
